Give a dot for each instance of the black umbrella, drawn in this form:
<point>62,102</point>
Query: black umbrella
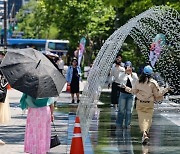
<point>29,71</point>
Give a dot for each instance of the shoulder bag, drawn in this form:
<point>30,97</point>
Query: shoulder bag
<point>54,139</point>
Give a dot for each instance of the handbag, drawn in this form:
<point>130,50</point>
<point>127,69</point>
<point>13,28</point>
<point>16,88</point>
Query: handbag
<point>68,88</point>
<point>54,139</point>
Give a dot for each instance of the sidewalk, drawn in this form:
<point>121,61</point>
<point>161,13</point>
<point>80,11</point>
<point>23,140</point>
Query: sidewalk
<point>13,132</point>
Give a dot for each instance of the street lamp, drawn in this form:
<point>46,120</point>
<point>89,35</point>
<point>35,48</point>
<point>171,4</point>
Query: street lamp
<point>5,25</point>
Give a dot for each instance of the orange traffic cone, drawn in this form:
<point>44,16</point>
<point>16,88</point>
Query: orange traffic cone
<point>77,143</point>
<point>8,87</point>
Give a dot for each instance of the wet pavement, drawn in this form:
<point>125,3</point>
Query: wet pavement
<point>103,138</point>
<point>164,133</point>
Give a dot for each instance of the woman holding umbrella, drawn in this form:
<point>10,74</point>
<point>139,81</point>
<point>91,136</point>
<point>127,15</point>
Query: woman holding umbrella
<point>39,79</point>
<point>38,126</point>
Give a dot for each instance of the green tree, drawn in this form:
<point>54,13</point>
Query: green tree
<point>34,21</point>
<point>88,18</point>
<point>70,20</point>
<point>126,9</point>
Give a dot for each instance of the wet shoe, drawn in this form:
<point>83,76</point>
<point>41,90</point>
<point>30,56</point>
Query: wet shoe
<point>145,139</point>
<point>2,143</point>
<point>72,101</point>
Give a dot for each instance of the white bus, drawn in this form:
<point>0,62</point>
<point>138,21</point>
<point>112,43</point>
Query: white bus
<point>59,47</point>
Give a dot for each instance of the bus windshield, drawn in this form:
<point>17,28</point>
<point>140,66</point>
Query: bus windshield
<point>57,46</point>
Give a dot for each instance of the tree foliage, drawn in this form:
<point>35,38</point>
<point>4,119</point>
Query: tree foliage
<point>126,9</point>
<point>72,19</point>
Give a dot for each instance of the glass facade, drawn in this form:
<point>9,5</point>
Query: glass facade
<point>1,11</point>
<point>13,7</point>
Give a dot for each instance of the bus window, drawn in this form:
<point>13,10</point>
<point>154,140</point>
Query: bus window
<point>58,46</point>
<point>61,46</point>
<point>51,45</point>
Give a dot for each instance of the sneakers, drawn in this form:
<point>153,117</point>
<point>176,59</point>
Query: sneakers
<point>2,143</point>
<point>145,139</point>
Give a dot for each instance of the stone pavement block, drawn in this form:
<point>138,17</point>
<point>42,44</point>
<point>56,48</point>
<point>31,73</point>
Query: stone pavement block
<point>61,149</point>
<point>12,149</point>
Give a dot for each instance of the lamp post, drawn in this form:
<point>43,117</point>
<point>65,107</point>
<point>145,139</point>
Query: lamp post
<point>5,25</point>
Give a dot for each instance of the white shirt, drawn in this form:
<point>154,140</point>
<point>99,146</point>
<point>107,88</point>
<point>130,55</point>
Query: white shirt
<point>60,64</point>
<point>115,71</point>
<point>123,77</point>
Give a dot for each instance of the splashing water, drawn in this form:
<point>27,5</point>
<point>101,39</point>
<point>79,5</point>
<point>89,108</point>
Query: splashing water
<point>142,28</point>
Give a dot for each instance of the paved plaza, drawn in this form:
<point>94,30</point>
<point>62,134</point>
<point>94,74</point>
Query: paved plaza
<point>13,133</point>
<point>105,138</point>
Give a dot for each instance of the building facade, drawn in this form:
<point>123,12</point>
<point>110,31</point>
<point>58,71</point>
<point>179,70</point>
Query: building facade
<point>1,12</point>
<point>13,7</point>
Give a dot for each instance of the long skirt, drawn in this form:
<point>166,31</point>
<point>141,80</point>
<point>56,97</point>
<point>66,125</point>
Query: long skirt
<point>38,130</point>
<point>145,113</point>
<point>5,115</point>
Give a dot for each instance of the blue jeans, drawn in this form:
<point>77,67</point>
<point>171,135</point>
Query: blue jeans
<point>126,104</point>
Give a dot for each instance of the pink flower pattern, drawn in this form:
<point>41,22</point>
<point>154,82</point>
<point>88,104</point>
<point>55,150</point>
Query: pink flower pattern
<point>38,130</point>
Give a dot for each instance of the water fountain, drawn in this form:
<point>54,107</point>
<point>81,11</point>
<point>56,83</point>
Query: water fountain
<point>142,28</point>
